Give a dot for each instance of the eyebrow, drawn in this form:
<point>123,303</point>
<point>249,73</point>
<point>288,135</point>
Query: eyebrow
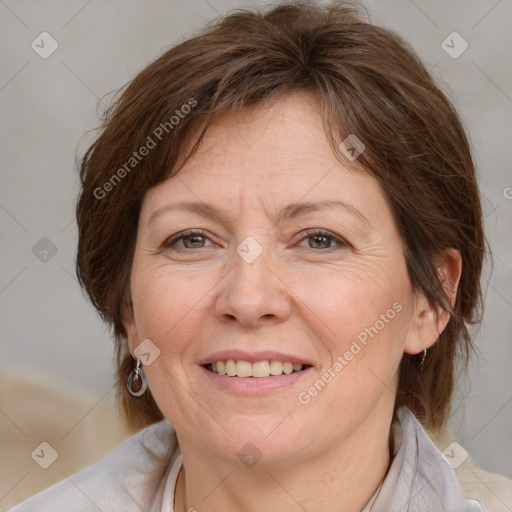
<point>288,212</point>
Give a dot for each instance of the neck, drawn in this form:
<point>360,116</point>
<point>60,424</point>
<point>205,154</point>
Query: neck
<point>341,478</point>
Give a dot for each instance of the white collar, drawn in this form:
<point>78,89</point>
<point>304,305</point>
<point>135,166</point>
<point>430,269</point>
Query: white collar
<point>170,486</point>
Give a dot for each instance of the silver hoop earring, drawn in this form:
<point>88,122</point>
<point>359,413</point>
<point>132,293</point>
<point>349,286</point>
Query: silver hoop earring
<point>137,380</point>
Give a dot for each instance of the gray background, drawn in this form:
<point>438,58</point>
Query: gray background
<point>47,105</point>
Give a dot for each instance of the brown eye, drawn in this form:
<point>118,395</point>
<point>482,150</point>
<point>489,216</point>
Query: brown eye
<point>323,240</point>
<point>195,241</point>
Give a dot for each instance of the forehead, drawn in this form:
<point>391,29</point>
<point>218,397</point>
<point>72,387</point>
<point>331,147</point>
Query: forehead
<point>267,138</point>
<point>267,155</point>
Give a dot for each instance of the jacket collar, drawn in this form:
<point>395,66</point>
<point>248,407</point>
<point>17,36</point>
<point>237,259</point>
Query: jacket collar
<point>419,478</point>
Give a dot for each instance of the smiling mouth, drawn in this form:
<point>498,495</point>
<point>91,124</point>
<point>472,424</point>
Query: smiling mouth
<point>241,368</point>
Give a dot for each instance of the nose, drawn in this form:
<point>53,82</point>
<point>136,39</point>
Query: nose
<point>253,294</point>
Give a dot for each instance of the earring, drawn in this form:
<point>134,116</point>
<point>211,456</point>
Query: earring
<point>424,355</point>
<point>137,380</point>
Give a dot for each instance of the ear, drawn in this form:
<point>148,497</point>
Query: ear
<point>425,327</point>
<point>133,338</point>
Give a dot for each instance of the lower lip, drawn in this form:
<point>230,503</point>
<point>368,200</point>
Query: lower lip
<point>254,385</point>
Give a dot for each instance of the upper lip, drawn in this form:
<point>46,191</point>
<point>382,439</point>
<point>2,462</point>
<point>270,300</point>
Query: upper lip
<point>253,357</point>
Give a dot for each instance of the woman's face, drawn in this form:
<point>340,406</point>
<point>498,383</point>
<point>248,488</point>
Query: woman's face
<point>259,285</point>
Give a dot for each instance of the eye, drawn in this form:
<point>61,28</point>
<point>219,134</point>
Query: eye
<point>322,239</point>
<point>196,239</point>
<point>192,239</point>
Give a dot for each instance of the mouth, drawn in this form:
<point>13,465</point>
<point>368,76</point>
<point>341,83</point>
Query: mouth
<point>254,373</point>
<point>258,369</point>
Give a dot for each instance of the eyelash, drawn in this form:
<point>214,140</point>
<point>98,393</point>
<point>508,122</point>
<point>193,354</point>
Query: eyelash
<point>309,234</point>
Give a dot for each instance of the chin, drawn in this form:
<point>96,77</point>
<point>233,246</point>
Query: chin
<point>265,441</point>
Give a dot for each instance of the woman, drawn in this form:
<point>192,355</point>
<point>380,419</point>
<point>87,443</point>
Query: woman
<point>281,223</point>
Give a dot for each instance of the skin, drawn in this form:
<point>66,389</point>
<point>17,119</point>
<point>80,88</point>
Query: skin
<point>303,295</point>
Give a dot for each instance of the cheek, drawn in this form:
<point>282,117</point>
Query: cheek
<point>364,328</point>
<point>346,304</point>
<point>168,304</point>
<point>361,323</point>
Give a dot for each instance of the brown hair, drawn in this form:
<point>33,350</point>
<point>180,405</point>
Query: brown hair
<point>369,83</point>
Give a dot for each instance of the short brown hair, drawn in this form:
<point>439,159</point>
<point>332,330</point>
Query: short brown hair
<point>369,83</point>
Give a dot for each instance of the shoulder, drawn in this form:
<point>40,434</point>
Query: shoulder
<point>129,478</point>
<point>492,490</point>
<point>425,475</point>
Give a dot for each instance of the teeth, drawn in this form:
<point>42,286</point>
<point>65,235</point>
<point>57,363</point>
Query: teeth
<point>230,368</point>
<point>276,367</point>
<point>243,369</point>
<point>259,369</point>
<point>287,368</point>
